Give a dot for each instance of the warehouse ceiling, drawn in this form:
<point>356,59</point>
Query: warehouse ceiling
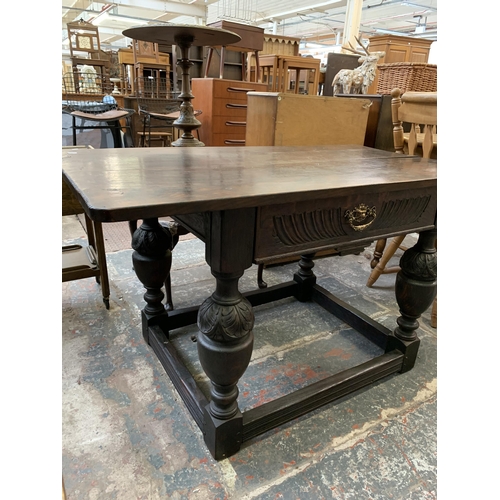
<point>313,21</point>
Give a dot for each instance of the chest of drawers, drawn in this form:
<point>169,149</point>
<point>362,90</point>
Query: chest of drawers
<point>224,109</point>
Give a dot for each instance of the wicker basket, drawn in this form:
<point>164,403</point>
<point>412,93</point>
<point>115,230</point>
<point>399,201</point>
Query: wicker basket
<point>406,76</point>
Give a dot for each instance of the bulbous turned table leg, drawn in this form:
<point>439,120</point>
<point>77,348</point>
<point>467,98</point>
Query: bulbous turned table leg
<point>152,259</point>
<point>416,287</point>
<point>225,344</point>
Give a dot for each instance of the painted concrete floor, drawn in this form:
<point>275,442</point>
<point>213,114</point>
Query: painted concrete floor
<point>126,434</point>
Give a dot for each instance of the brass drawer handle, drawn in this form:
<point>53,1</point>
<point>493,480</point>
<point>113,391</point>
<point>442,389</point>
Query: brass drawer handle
<point>361,217</point>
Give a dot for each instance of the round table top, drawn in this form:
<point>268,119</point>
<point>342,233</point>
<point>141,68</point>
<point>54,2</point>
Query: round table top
<point>167,33</point>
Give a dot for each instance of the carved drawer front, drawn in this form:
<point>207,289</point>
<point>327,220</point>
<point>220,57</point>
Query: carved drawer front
<point>293,228</point>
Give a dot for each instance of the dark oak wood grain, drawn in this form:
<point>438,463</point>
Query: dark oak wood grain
<point>115,185</point>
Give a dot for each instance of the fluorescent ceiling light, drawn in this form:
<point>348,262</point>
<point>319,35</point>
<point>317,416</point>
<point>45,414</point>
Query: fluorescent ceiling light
<point>109,19</point>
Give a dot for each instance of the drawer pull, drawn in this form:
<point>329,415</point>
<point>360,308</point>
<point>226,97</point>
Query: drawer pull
<point>236,89</point>
<point>235,141</point>
<point>361,217</point>
<point>236,106</point>
<point>236,124</point>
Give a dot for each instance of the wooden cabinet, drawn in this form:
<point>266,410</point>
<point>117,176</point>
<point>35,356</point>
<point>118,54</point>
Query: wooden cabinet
<point>223,104</point>
<point>399,49</point>
<point>283,119</point>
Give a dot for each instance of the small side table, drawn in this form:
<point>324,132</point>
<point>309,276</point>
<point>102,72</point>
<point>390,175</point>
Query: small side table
<point>299,63</point>
<point>185,36</point>
<point>252,41</point>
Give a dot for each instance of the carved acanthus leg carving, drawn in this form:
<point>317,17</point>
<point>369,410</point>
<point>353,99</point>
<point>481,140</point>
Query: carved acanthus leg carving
<point>152,259</point>
<point>415,291</point>
<point>225,344</point>
<point>305,277</point>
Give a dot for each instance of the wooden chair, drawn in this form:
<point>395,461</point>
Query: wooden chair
<point>156,125</point>
<point>417,112</point>
<point>85,47</point>
<point>89,115</point>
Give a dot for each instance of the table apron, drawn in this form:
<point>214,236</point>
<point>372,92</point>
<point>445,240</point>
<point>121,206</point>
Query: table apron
<point>310,226</point>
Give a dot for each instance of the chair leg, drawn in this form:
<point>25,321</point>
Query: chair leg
<point>434,314</point>
<point>260,281</point>
<point>378,252</point>
<point>388,253</point>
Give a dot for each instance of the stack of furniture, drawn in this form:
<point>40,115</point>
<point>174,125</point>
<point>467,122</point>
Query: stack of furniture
<point>224,109</point>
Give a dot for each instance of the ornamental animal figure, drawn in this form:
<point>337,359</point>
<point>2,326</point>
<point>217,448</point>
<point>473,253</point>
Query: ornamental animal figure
<point>357,80</point>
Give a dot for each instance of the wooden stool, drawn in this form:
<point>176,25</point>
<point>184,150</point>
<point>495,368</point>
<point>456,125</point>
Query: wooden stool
<point>145,138</point>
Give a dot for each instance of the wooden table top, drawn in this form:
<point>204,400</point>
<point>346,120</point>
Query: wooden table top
<point>135,183</point>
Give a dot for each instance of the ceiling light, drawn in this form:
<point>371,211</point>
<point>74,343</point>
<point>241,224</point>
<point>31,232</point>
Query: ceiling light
<point>107,18</point>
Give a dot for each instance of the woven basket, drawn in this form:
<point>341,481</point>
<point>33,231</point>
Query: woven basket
<point>406,76</point>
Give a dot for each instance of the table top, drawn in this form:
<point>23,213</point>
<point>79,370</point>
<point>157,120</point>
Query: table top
<point>135,183</point>
<point>167,34</point>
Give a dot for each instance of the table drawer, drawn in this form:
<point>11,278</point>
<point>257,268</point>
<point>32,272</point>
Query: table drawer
<point>231,108</point>
<point>311,226</point>
<point>236,91</point>
<point>229,139</point>
<point>229,125</point>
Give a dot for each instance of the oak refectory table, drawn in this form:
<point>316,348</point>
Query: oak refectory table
<point>252,204</point>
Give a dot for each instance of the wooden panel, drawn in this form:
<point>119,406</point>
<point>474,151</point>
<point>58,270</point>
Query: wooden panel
<point>276,44</point>
<point>281,119</point>
<point>397,54</point>
<point>419,55</point>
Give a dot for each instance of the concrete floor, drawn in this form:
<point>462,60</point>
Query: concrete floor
<point>126,434</point>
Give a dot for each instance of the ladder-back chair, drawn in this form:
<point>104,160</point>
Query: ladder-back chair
<point>415,112</point>
<point>85,47</point>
